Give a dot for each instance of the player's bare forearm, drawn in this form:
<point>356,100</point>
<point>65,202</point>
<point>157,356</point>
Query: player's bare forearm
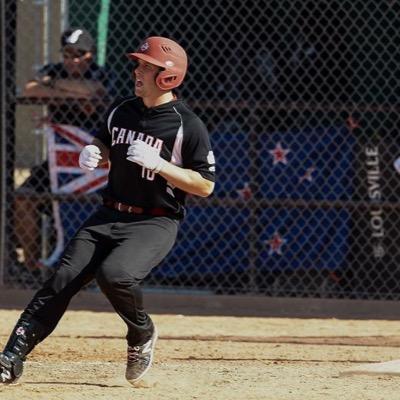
<point>104,151</point>
<point>187,180</point>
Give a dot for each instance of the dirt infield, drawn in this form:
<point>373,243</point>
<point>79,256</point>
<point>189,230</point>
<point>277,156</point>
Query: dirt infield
<point>210,358</point>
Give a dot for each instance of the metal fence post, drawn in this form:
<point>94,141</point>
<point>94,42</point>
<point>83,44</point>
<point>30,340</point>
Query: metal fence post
<point>2,141</point>
<point>8,12</point>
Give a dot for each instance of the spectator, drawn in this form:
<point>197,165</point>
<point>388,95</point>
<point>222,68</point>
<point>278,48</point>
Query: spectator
<point>76,89</point>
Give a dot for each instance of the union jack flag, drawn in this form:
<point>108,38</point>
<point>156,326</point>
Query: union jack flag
<point>65,142</point>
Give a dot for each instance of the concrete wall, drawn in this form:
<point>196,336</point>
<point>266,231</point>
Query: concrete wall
<point>39,24</point>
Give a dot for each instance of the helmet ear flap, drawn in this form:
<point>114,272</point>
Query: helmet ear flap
<point>166,81</point>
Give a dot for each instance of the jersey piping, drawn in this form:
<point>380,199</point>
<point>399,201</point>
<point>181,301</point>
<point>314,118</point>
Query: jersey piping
<point>177,149</point>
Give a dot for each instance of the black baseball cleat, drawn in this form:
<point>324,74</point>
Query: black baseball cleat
<point>140,359</point>
<point>11,368</point>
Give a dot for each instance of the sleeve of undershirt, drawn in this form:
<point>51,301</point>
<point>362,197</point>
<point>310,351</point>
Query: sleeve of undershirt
<point>197,153</point>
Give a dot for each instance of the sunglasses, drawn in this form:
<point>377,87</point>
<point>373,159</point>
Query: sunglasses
<point>74,56</point>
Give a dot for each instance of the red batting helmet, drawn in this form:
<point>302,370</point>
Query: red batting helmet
<point>168,55</point>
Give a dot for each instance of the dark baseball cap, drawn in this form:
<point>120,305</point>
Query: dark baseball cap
<point>77,38</point>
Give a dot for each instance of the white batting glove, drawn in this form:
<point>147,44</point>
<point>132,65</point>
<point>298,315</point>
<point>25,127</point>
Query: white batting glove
<point>89,157</point>
<point>145,155</point>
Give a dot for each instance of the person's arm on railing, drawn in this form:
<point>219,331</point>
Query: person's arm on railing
<point>64,88</point>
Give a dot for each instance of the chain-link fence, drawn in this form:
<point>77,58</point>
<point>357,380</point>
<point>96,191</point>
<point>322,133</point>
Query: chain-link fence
<point>301,100</point>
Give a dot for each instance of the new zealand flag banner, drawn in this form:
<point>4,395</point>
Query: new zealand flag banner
<point>284,197</point>
<point>310,172</point>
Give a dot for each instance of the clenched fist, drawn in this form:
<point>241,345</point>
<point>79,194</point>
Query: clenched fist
<point>145,155</point>
<point>90,157</point>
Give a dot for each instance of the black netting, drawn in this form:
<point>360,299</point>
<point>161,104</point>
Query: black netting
<point>301,101</point>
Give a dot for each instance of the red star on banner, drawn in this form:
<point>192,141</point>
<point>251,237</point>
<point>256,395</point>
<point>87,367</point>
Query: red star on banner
<point>307,175</point>
<point>276,243</point>
<point>245,193</point>
<point>279,154</point>
<point>352,123</point>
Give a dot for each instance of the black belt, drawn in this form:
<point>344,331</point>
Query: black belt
<point>155,211</point>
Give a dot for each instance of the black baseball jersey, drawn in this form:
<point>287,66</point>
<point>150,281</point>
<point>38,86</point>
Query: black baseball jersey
<point>171,127</point>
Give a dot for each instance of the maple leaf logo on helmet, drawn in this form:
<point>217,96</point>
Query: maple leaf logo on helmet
<point>145,46</point>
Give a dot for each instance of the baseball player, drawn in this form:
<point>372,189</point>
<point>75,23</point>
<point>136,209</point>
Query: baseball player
<point>158,150</point>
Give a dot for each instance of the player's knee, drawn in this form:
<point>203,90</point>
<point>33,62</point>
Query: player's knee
<point>109,281</point>
<point>61,278</point>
